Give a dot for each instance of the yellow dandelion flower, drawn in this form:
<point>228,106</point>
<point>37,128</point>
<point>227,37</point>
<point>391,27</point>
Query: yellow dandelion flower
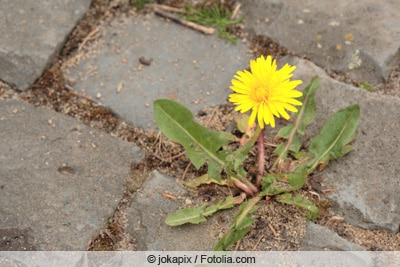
<point>268,92</point>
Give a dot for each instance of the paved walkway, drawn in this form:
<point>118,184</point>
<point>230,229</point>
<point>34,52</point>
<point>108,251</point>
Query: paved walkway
<point>60,181</point>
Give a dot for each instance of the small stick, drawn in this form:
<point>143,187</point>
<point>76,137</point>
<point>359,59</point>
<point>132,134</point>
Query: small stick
<point>177,156</point>
<point>158,138</point>
<point>186,170</point>
<point>237,245</point>
<point>75,93</point>
<point>197,27</point>
<point>160,144</point>
<point>235,12</point>
<point>211,116</point>
<point>87,38</point>
<point>169,196</point>
<point>159,158</point>
<point>258,242</point>
<point>273,230</point>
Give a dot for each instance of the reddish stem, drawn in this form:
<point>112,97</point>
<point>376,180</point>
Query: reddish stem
<point>243,187</point>
<point>261,158</point>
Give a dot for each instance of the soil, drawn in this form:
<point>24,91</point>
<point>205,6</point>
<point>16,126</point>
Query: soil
<point>277,226</point>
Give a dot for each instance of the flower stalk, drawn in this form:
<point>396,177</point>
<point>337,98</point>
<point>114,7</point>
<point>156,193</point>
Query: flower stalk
<point>261,159</point>
<point>267,92</point>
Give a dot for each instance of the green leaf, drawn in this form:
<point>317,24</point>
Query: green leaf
<point>238,156</point>
<point>240,225</point>
<point>198,214</point>
<point>283,148</point>
<point>335,136</point>
<point>201,144</point>
<point>204,179</point>
<point>190,215</point>
<point>302,155</point>
<point>242,122</point>
<point>301,202</point>
<point>302,119</point>
<point>274,184</point>
<point>221,205</point>
<point>365,86</point>
<point>308,109</point>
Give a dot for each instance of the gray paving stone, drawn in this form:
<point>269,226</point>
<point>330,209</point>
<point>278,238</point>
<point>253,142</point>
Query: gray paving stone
<point>318,237</point>
<point>32,34</point>
<point>184,65</point>
<point>366,181</point>
<point>331,32</point>
<point>59,179</point>
<point>146,219</point>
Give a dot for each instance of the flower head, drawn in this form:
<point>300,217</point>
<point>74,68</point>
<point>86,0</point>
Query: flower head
<point>268,92</point>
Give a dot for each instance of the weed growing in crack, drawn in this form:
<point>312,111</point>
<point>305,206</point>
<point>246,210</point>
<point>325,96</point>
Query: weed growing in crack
<point>268,93</point>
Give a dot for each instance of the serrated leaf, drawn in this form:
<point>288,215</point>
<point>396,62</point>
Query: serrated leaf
<point>302,154</point>
<point>192,215</point>
<point>228,203</point>
<point>204,179</point>
<point>308,110</point>
<point>302,119</point>
<point>240,225</point>
<point>274,184</point>
<point>201,144</point>
<point>294,146</point>
<point>335,136</point>
<point>301,202</point>
<point>195,215</point>
<point>236,158</point>
<point>306,114</point>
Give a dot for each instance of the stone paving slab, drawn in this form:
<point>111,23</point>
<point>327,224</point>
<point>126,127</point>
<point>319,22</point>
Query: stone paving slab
<point>147,215</point>
<point>59,180</point>
<point>318,237</point>
<point>32,34</point>
<point>366,182</point>
<point>360,37</point>
<point>185,65</point>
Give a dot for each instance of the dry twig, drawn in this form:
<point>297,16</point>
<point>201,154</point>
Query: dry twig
<point>87,38</point>
<point>195,26</point>
<point>235,12</point>
<point>75,93</point>
<point>211,116</point>
<point>273,230</point>
<point>186,170</point>
<point>258,242</point>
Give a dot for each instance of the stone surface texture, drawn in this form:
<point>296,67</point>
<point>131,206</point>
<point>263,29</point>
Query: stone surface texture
<point>32,34</point>
<point>61,181</point>
<point>366,181</point>
<point>146,218</point>
<point>359,37</point>
<point>182,64</point>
